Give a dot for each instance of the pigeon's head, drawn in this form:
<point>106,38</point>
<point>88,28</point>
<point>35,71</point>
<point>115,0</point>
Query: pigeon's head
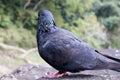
<point>45,17</point>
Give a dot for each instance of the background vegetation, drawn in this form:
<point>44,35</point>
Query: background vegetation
<point>95,21</point>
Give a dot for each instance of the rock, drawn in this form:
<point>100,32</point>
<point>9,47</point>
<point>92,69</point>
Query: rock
<point>112,52</point>
<point>35,72</point>
<point>8,77</point>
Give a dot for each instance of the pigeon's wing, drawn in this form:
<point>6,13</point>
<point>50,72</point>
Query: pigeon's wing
<point>64,51</point>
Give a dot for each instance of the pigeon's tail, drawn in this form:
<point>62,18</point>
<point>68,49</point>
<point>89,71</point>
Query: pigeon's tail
<point>115,59</point>
<point>114,66</point>
<point>118,70</point>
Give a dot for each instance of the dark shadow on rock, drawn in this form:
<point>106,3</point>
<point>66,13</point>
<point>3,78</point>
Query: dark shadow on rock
<point>77,77</point>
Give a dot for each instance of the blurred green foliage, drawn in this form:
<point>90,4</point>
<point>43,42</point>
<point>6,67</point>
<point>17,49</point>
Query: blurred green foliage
<point>95,21</point>
<point>108,14</point>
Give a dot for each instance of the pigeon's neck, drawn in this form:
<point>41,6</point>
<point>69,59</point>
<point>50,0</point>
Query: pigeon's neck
<point>48,28</point>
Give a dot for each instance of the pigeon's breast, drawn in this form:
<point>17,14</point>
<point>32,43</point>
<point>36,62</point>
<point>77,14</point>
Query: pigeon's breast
<point>45,44</point>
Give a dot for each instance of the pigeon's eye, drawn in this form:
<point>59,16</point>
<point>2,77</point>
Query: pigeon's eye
<point>41,15</point>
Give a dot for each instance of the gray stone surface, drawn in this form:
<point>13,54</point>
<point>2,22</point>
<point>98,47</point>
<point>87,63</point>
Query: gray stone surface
<point>35,72</point>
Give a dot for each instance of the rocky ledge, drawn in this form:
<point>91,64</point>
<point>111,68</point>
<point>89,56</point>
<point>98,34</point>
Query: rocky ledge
<point>35,72</point>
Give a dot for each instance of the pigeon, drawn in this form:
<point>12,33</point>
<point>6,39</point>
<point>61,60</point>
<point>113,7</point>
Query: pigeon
<point>66,52</point>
